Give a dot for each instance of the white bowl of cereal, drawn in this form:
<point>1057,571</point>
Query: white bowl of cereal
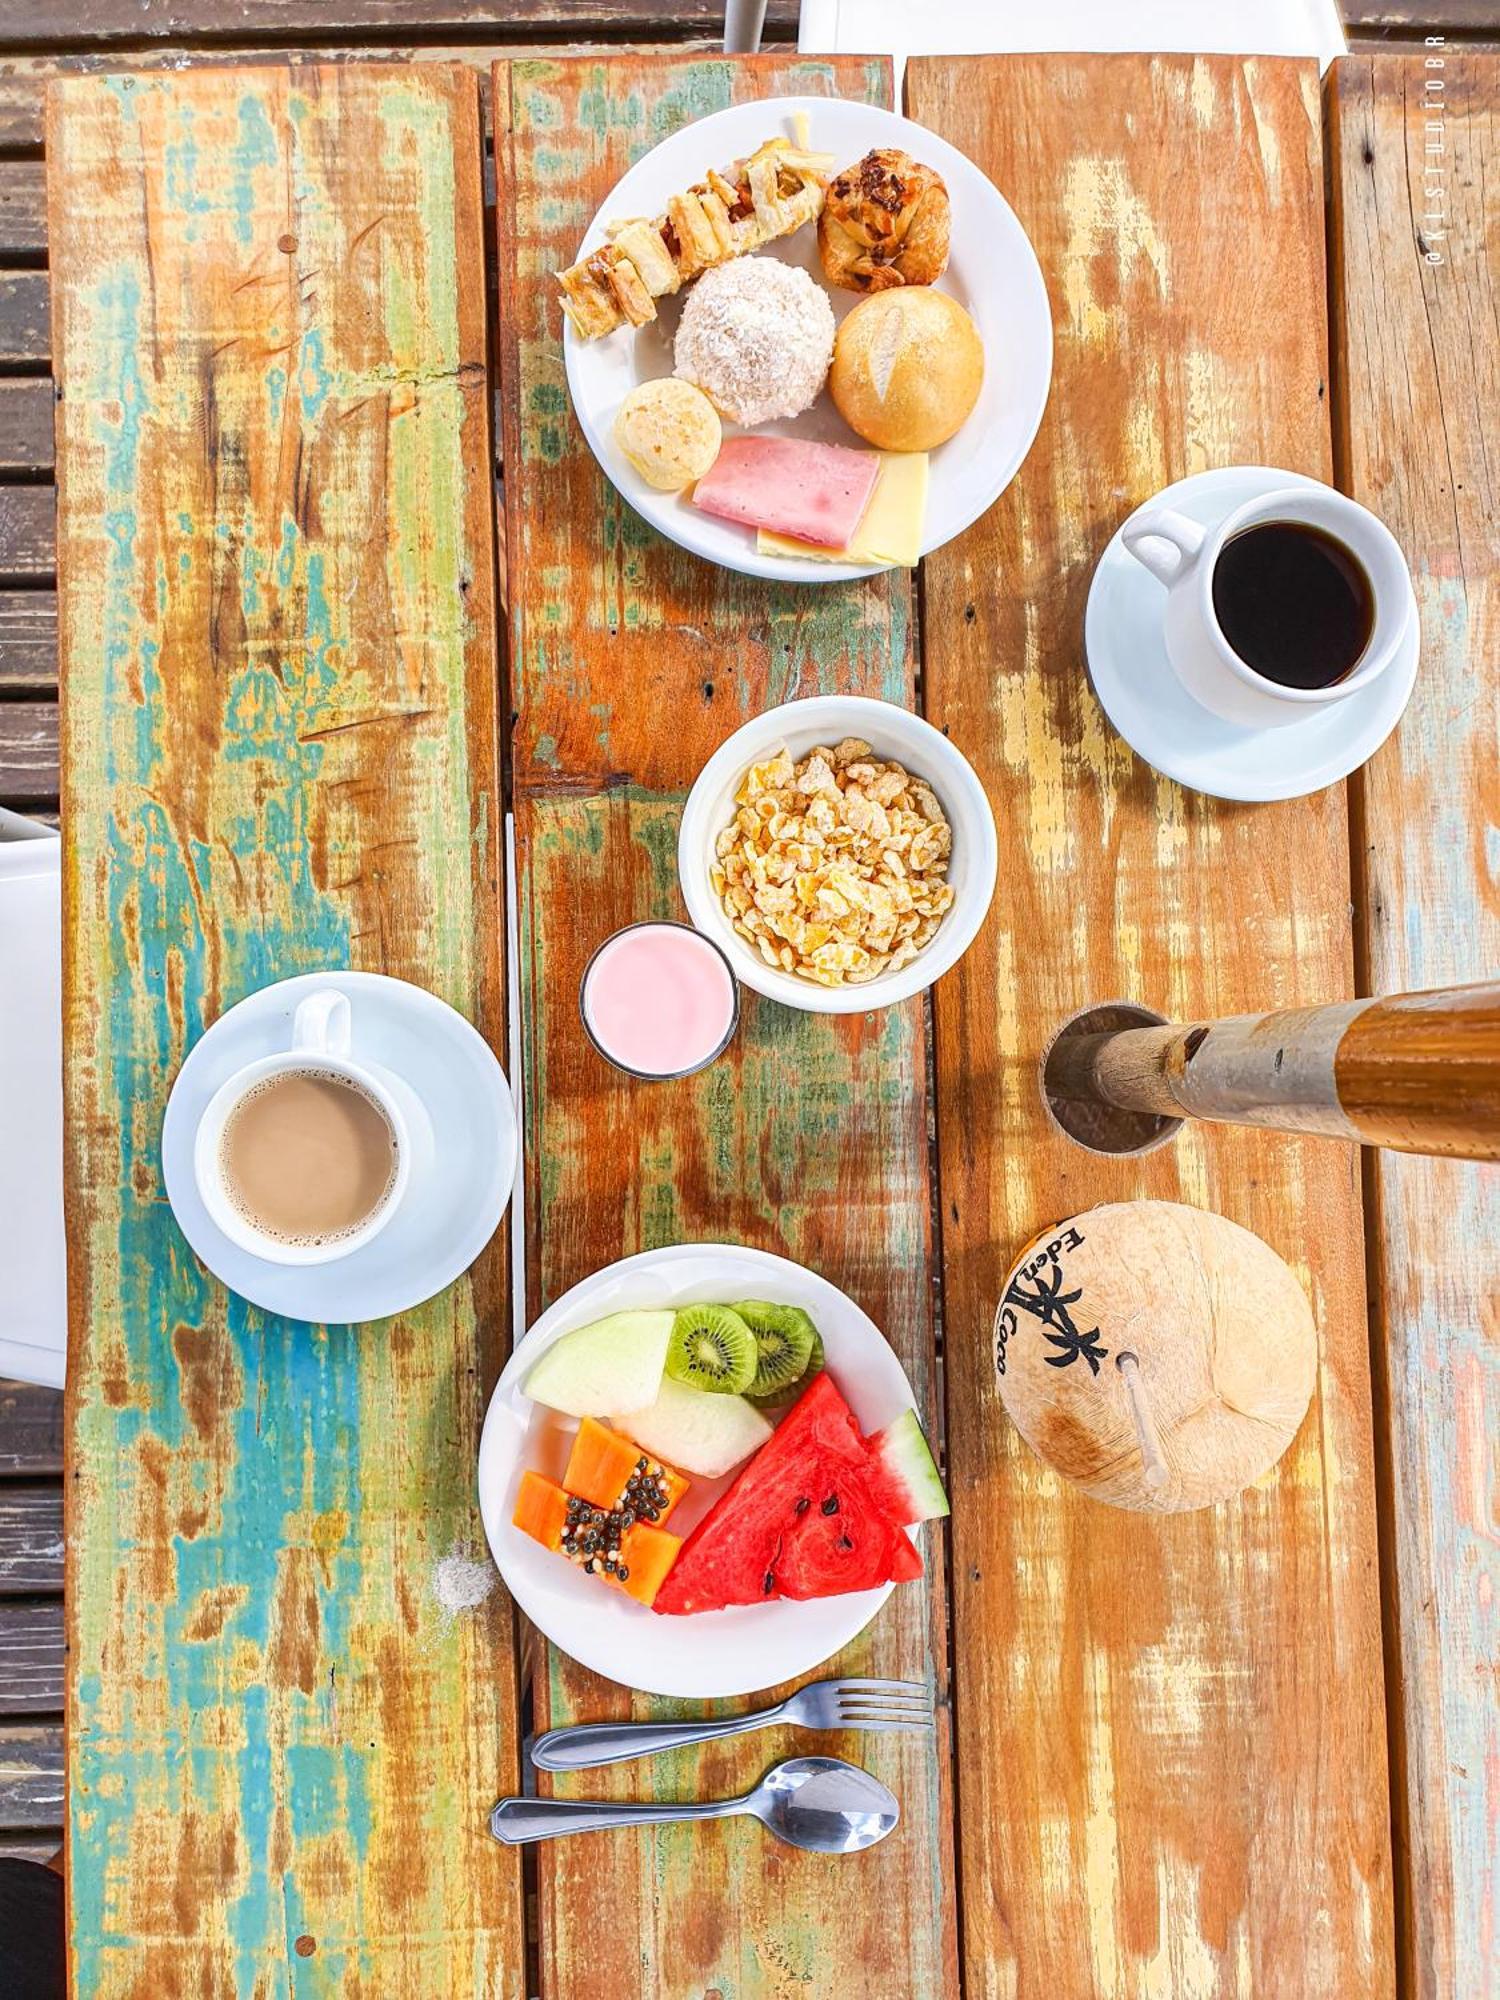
<point>842,881</point>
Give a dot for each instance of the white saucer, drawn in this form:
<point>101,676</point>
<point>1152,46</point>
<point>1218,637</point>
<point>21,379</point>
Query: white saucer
<point>1143,698</point>
<point>442,1225</point>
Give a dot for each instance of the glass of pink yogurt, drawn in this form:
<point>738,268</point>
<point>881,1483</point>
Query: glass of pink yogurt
<point>659,1000</point>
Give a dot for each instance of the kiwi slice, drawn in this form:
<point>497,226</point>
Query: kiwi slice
<point>785,1338</point>
<point>711,1348</point>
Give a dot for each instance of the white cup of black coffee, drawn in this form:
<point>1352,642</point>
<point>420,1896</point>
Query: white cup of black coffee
<point>305,1156</point>
<point>1298,598</point>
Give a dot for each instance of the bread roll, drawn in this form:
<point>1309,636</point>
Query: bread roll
<point>907,368</point>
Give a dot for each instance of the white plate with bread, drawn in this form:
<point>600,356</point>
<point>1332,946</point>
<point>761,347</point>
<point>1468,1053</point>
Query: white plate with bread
<point>910,266</point>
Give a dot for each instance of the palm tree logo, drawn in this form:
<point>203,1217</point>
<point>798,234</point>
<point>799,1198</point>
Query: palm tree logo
<point>1048,1302</point>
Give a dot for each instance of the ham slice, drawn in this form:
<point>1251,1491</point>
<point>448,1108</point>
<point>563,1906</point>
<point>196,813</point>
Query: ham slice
<point>816,492</point>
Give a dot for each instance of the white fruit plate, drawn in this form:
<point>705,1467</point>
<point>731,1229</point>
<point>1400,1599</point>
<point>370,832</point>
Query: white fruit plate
<point>992,272</point>
<point>712,1653</point>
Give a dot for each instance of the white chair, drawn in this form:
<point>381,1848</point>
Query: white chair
<point>743,23</point>
<point>903,28</point>
<point>33,1288</point>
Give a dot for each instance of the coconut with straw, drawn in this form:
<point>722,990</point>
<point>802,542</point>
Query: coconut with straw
<point>1160,1357</point>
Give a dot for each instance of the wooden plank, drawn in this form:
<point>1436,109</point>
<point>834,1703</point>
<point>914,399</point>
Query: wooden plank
<point>28,534</point>
<point>23,79</point>
<point>279,671</point>
<point>25,426</point>
<point>31,1657</point>
<point>1419,17</point>
<point>1417,399</point>
<point>17,1847</point>
<point>1393,41</point>
<point>25,318</point>
<point>31,1540</point>
<point>28,641</point>
<point>123,22</point>
<point>1182,1786</point>
<point>28,752</point>
<point>23,220</point>
<point>31,1776</point>
<point>30,1429</point>
<point>807,1138</point>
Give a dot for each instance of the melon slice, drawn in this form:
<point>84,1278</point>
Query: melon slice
<point>613,1364</point>
<point>705,1434</point>
<point>905,1473</point>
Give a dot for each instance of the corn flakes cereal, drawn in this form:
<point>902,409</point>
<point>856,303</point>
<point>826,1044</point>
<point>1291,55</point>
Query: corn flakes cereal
<point>835,868</point>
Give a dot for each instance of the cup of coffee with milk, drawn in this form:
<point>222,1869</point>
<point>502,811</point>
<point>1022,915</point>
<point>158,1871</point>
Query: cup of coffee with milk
<point>305,1156</point>
<point>1298,599</point>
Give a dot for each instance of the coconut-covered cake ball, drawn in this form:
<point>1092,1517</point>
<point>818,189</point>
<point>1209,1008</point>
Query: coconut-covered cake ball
<point>670,433</point>
<point>756,336</point>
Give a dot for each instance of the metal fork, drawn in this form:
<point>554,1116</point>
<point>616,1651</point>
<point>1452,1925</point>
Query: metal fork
<point>845,1703</point>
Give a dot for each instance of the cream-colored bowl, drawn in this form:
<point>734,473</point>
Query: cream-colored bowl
<point>894,735</point>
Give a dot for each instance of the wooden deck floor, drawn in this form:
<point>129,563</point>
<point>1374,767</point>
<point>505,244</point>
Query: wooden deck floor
<point>31,1634</point>
<point>36,42</point>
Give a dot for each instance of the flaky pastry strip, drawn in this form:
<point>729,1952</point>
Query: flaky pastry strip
<point>770,195</point>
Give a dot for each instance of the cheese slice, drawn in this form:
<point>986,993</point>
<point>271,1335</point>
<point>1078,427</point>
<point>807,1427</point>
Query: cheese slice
<point>890,529</point>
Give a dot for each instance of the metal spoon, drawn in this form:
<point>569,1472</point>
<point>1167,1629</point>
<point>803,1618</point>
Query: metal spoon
<point>820,1803</point>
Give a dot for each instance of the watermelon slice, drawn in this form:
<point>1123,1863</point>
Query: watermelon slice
<point>803,1519</point>
<point>906,1477</point>
<point>846,1548</point>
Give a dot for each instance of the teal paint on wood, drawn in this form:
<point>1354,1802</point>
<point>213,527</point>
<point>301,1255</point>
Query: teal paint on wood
<point>280,754</point>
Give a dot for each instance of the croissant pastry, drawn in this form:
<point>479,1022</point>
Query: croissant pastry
<point>884,223</point>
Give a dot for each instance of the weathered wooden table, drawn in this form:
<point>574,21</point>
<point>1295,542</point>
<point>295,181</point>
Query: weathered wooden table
<point>1164,1763</point>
